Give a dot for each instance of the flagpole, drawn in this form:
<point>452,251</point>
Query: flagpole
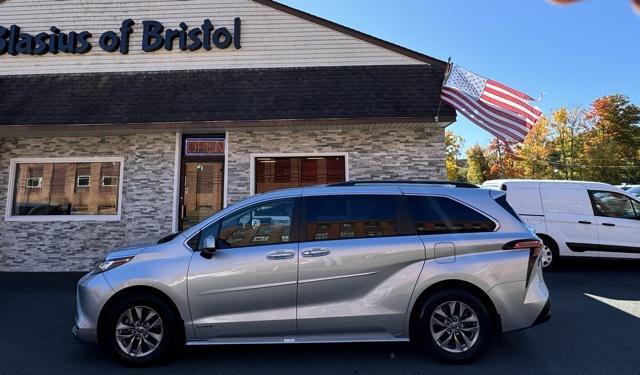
<point>500,158</point>
<point>444,80</point>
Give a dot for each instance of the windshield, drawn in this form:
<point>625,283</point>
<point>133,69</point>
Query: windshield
<point>634,191</point>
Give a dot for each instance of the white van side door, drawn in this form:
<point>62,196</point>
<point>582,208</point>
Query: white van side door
<point>570,219</point>
<point>618,218</point>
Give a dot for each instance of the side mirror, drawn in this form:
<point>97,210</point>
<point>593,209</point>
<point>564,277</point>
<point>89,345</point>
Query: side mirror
<point>208,247</point>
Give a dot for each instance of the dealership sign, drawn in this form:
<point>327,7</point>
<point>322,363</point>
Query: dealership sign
<point>154,37</point>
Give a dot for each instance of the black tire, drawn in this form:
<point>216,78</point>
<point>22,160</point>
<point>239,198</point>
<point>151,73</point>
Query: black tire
<point>425,338</point>
<point>551,247</point>
<point>170,343</point>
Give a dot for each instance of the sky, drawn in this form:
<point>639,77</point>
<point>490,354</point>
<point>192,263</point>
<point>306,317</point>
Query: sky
<point>574,54</point>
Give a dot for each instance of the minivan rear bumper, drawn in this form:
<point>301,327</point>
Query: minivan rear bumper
<point>520,305</point>
<point>545,314</point>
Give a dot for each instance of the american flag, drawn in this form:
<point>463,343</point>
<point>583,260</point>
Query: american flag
<point>496,108</point>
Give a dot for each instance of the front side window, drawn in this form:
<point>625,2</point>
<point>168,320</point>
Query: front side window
<point>440,215</point>
<point>65,189</point>
<point>350,216</point>
<point>262,224</point>
<point>611,204</point>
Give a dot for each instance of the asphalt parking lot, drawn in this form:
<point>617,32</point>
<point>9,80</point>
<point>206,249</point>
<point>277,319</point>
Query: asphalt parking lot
<point>595,329</point>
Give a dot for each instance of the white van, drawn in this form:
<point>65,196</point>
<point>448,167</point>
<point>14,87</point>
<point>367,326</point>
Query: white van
<point>576,219</point>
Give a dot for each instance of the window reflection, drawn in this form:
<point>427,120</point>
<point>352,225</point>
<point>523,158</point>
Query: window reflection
<point>612,204</point>
<point>66,189</point>
<point>345,217</point>
<point>438,215</point>
<point>289,172</point>
<point>267,223</point>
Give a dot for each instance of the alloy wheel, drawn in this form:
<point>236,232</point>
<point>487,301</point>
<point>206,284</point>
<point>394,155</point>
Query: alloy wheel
<point>139,331</point>
<point>547,256</point>
<point>455,327</point>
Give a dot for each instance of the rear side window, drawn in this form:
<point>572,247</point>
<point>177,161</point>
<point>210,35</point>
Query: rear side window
<point>350,216</point>
<point>439,215</point>
<point>502,201</point>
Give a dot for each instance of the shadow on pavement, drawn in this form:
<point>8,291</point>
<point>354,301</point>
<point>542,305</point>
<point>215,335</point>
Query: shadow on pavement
<point>584,336</point>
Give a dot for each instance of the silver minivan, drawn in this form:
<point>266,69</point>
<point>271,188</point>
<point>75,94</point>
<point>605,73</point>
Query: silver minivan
<point>444,265</point>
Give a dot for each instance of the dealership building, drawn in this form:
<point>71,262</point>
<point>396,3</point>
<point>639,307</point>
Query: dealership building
<point>121,121</point>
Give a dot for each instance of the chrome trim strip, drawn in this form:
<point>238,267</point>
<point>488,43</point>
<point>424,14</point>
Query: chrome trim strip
<point>242,288</point>
<point>338,277</point>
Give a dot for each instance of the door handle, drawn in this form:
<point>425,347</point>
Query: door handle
<point>315,252</point>
<point>608,225</point>
<point>584,222</point>
<point>281,255</point>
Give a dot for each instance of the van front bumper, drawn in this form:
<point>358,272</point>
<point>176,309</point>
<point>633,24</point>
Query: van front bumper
<point>92,292</point>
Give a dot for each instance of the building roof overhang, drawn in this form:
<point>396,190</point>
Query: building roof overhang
<point>226,99</point>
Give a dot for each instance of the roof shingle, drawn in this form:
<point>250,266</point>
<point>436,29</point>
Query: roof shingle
<point>356,92</point>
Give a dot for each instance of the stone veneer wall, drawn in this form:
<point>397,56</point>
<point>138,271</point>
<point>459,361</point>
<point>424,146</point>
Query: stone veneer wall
<point>375,153</point>
<point>147,206</point>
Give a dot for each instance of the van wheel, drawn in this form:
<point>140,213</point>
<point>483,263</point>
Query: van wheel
<point>454,326</point>
<point>141,330</point>
<point>549,254</point>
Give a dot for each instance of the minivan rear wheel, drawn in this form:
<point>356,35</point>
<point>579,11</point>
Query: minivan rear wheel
<point>454,326</point>
<point>141,330</point>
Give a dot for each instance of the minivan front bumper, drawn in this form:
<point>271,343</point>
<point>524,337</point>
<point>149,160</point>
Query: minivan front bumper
<point>92,292</point>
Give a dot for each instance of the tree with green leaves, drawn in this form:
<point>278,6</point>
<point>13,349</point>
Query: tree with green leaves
<point>611,153</point>
<point>567,127</point>
<point>477,165</point>
<point>454,144</point>
<point>533,155</point>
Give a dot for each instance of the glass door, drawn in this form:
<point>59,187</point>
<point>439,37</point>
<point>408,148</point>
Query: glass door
<point>202,191</point>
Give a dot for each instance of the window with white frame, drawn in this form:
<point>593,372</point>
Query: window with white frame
<point>281,172</point>
<point>84,181</point>
<point>34,182</point>
<point>108,181</point>
<point>65,188</point>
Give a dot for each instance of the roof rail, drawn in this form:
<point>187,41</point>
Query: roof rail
<point>401,182</point>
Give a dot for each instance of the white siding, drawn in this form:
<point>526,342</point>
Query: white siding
<point>270,38</point>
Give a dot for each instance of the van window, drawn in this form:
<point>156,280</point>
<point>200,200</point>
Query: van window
<point>610,204</point>
<point>266,223</point>
<point>350,216</point>
<point>566,201</point>
<point>439,215</point>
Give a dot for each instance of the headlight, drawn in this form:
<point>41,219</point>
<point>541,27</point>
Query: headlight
<point>107,264</point>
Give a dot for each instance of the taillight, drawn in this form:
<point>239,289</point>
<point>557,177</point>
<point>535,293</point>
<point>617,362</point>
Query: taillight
<point>534,246</point>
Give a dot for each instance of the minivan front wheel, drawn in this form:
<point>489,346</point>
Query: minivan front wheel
<point>141,330</point>
<point>454,326</point>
